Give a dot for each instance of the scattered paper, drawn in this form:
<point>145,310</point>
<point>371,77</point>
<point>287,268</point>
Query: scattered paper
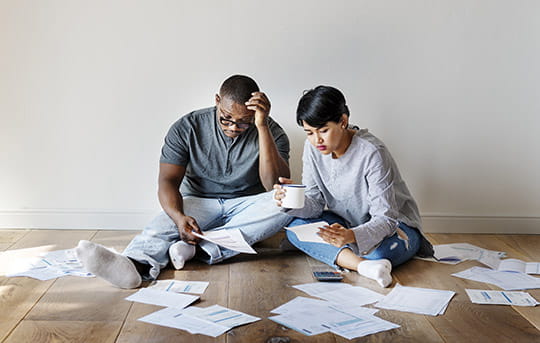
<point>162,298</point>
<point>51,265</point>
<point>300,302</point>
<point>426,301</point>
<point>506,280</point>
<point>358,296</point>
<point>211,321</point>
<point>231,239</point>
<point>478,296</point>
<point>515,265</point>
<point>458,252</point>
<point>308,232</point>
<point>317,288</point>
<point>195,287</point>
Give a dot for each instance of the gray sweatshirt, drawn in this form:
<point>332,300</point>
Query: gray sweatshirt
<point>363,186</point>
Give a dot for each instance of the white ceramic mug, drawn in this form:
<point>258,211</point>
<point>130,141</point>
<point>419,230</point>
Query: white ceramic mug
<point>294,196</point>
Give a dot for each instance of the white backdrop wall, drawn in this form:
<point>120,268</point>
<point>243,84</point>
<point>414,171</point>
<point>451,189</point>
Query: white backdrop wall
<point>88,90</point>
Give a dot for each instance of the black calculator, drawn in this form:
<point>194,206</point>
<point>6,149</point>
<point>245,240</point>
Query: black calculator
<point>327,275</point>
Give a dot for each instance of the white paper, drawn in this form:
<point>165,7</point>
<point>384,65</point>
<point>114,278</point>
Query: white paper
<point>362,327</point>
<point>231,239</point>
<point>308,232</point>
<point>175,318</point>
<point>358,296</point>
<point>506,280</point>
<point>317,288</point>
<point>515,265</point>
<point>194,287</point>
<point>162,298</point>
<point>478,296</point>
<point>417,300</point>
<point>299,302</point>
<point>211,321</point>
<point>458,252</point>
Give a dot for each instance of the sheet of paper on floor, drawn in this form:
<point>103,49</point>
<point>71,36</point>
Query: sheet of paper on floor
<point>491,297</point>
<point>515,265</point>
<point>358,296</point>
<point>231,239</point>
<point>162,298</point>
<point>458,252</point>
<point>426,301</point>
<point>211,321</point>
<point>316,288</point>
<point>178,286</point>
<point>506,280</point>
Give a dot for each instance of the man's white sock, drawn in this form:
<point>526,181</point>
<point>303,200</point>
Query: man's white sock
<point>180,252</point>
<point>114,268</point>
<point>378,270</point>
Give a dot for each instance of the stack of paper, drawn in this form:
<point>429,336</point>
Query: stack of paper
<point>312,317</point>
<point>53,264</point>
<point>458,252</point>
<point>431,302</point>
<point>211,321</point>
<point>505,280</point>
<point>478,296</point>
<point>195,287</point>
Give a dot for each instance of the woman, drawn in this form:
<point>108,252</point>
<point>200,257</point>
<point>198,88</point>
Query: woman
<point>374,219</point>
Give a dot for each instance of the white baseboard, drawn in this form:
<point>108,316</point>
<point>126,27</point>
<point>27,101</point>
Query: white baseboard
<point>75,219</point>
<point>479,224</point>
<point>137,219</point>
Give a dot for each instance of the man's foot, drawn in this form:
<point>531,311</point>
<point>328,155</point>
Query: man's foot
<point>114,268</point>
<point>378,270</point>
<point>180,252</point>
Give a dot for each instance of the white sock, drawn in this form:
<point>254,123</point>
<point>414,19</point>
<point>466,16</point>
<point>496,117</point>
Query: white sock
<point>378,270</point>
<point>114,268</point>
<point>180,252</point>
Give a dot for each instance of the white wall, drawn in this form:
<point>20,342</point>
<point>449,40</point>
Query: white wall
<point>88,89</point>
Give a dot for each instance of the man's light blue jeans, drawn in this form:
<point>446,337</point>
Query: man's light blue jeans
<point>257,217</point>
<point>392,248</point>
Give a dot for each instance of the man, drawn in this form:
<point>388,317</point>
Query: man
<point>217,168</point>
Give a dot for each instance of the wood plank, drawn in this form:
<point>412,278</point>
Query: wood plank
<point>20,294</point>
<point>10,237</point>
<point>261,283</point>
<point>464,321</point>
<point>216,293</point>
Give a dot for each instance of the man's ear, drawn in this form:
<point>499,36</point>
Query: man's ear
<point>217,99</point>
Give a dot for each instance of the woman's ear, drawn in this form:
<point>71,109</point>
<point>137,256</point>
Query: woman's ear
<point>344,121</point>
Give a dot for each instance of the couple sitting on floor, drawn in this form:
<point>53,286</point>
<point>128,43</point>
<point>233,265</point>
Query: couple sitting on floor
<point>217,169</point>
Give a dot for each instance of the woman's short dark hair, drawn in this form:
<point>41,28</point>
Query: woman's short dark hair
<point>320,105</point>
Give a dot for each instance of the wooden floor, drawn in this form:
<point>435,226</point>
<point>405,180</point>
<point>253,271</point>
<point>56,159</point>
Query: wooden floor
<point>72,309</point>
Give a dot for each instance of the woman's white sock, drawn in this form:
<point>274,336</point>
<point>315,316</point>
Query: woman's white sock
<point>180,252</point>
<point>378,270</point>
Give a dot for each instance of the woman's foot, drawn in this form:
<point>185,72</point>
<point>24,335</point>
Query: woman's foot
<point>378,270</point>
<point>114,268</point>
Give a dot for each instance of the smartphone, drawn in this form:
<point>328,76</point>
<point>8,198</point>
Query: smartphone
<point>327,275</point>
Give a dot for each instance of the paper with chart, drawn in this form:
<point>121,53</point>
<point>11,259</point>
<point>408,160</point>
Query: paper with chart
<point>211,321</point>
<point>195,287</point>
<point>231,239</point>
<point>459,252</point>
<point>162,298</point>
<point>308,232</point>
<point>506,280</point>
<point>515,265</point>
<point>479,296</point>
<point>358,296</point>
<point>51,265</point>
<point>317,288</point>
<point>426,301</point>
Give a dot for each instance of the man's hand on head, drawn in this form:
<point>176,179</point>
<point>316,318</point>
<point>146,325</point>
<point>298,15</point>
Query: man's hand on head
<point>261,105</point>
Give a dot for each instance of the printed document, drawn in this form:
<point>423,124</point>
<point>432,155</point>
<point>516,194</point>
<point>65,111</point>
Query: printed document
<point>358,296</point>
<point>426,301</point>
<point>195,287</point>
<point>308,232</point>
<point>231,239</point>
<point>317,288</point>
<point>478,296</point>
<point>162,298</point>
<point>506,280</point>
<point>515,265</point>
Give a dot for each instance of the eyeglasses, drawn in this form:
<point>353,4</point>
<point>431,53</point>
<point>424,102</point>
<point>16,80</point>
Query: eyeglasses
<point>228,122</point>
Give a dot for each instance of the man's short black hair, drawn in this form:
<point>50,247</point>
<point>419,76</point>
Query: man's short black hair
<point>238,88</point>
